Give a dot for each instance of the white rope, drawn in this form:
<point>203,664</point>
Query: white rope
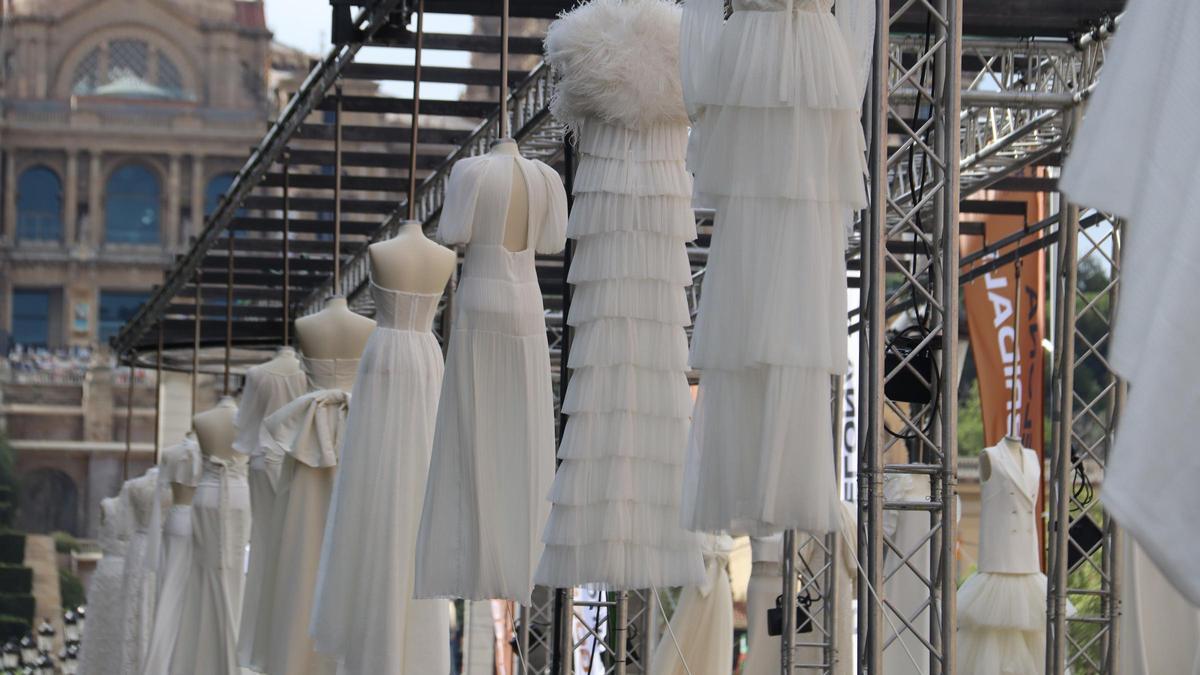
<point>508,606</point>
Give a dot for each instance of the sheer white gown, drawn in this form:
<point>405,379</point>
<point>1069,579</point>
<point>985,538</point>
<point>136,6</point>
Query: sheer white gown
<point>702,625</point>
<point>208,625</point>
<point>173,554</point>
<point>493,448</point>
<point>268,387</point>
<point>101,650</point>
<point>140,581</point>
<point>305,437</point>
<point>614,519</point>
<point>364,612</point>
<point>780,156</point>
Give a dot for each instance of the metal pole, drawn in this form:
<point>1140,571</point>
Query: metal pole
<point>416,113</point>
<point>228,308</point>
<point>287,252</point>
<point>833,541</point>
<point>619,620</point>
<point>504,69</point>
<point>158,387</point>
<point>337,191</point>
<point>128,421</point>
<point>196,344</point>
<point>787,642</point>
<point>1116,564</point>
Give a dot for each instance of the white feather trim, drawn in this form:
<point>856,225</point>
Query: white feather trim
<point>617,61</point>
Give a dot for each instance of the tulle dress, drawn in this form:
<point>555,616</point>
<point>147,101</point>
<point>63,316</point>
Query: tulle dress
<point>493,447</point>
<point>140,581</point>
<point>780,156</point>
<point>364,612</point>
<point>614,519</point>
<point>1002,607</point>
<point>180,464</point>
<point>208,625</point>
<point>101,650</point>
<point>268,387</point>
<point>305,437</point>
<point>702,626</point>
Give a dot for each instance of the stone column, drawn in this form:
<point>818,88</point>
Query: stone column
<point>9,230</point>
<point>174,187</point>
<point>71,233</point>
<point>95,235</point>
<point>197,194</point>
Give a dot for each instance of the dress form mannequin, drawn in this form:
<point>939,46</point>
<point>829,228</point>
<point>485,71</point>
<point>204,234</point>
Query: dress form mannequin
<point>215,430</point>
<point>335,332</point>
<point>412,262</point>
<point>516,226</point>
<point>284,360</point>
<point>1014,447</point>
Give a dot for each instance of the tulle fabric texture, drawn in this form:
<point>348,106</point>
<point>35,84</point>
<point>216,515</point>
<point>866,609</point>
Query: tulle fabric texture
<point>1002,624</point>
<point>101,649</point>
<point>208,625</point>
<point>364,614</point>
<point>779,155</point>
<point>493,448</point>
<point>173,579</point>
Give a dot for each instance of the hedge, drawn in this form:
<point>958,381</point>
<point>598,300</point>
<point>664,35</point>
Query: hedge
<point>13,628</point>
<point>15,579</point>
<point>17,604</point>
<point>12,548</point>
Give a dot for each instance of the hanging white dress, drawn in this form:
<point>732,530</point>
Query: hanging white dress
<point>364,612</point>
<point>1002,607</point>
<point>140,581</point>
<point>614,519</point>
<point>701,629</point>
<point>172,553</point>
<point>493,448</point>
<point>267,387</point>
<point>305,437</point>
<point>101,650</point>
<point>1160,629</point>
<point>1142,112</point>
<point>780,157</point>
<point>208,625</point>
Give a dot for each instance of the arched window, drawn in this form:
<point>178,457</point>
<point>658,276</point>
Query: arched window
<point>217,187</point>
<point>39,204</point>
<point>128,68</point>
<point>132,203</point>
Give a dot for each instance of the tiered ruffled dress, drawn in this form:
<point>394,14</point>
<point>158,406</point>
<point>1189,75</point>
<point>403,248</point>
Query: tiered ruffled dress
<point>140,582</point>
<point>493,449</point>
<point>303,439</point>
<point>1002,607</point>
<point>364,612</point>
<point>614,520</point>
<point>180,464</point>
<point>780,157</point>
<point>101,650</point>
<point>267,388</point>
<point>208,627</point>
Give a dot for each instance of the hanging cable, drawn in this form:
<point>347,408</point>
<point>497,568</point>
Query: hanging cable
<point>337,191</point>
<point>504,130</point>
<point>158,387</point>
<point>128,420</point>
<point>287,235</point>
<point>196,343</point>
<point>416,112</point>
<point>228,308</point>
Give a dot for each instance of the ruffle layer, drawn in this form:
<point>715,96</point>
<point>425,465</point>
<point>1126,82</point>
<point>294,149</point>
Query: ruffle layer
<point>1002,652</point>
<point>764,64</point>
<point>993,601</point>
<point>670,216</point>
<point>646,344</point>
<point>620,566</point>
<point>589,482</point>
<point>614,521</point>
<point>787,153</point>
<point>658,143</point>
<point>624,434</point>
<point>667,177</point>
<point>760,455</point>
<point>775,288</point>
<point>644,299</point>
<point>630,255</point>
<point>614,388</point>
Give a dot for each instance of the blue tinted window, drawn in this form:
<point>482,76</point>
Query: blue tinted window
<point>132,203</point>
<point>117,308</point>
<point>31,317</point>
<point>217,187</point>
<point>39,204</point>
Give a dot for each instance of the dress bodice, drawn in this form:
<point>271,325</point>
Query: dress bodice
<point>217,470</point>
<point>330,373</point>
<point>401,310</point>
<point>113,530</point>
<point>1007,534</point>
<point>142,492</point>
<point>782,5</point>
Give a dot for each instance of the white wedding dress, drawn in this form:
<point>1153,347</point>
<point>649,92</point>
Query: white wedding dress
<point>305,437</point>
<point>268,387</point>
<point>364,612</point>
<point>140,581</point>
<point>1002,607</point>
<point>211,608</point>
<point>101,651</point>
<point>493,448</point>
<point>779,154</point>
<point>171,552</point>
<point>614,519</point>
<point>700,639</point>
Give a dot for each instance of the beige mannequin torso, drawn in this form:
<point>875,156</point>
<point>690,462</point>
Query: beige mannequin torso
<point>411,262</point>
<point>1011,445</point>
<point>334,332</point>
<point>215,429</point>
<point>181,495</point>
<point>516,225</point>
